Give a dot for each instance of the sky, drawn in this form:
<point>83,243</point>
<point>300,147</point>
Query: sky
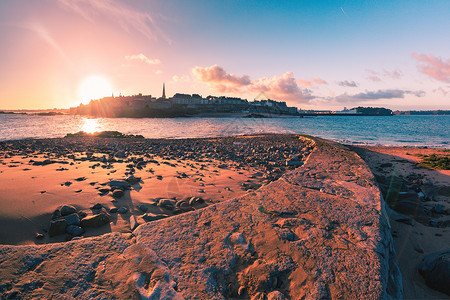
<point>311,54</point>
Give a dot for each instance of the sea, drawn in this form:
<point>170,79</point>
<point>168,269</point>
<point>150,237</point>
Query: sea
<point>405,130</point>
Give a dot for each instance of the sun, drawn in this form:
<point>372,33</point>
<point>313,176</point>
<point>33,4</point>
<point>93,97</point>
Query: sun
<point>94,87</point>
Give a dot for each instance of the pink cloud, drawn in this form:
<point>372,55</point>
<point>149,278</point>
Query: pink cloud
<point>434,67</point>
<point>311,82</point>
<point>282,87</point>
<point>120,13</point>
<point>217,75</point>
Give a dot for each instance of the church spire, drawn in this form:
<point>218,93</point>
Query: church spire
<point>164,91</point>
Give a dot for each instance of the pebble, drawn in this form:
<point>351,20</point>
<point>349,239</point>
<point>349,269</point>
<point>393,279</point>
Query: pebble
<point>95,220</point>
<point>97,206</point>
<point>67,210</point>
<point>118,194</point>
<point>122,210</point>
<point>143,208</point>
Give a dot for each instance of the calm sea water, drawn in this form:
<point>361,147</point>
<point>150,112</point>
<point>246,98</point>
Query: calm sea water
<point>395,130</point>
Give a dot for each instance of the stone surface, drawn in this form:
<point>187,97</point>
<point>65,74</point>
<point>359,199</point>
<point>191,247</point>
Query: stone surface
<point>435,269</point>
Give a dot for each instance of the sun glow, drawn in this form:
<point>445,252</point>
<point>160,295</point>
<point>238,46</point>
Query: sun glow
<point>94,87</point>
<point>91,126</point>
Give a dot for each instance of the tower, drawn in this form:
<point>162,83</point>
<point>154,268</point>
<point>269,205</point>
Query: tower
<point>164,91</point>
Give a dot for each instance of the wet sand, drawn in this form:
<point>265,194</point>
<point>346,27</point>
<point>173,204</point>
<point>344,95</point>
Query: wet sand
<point>37,177</point>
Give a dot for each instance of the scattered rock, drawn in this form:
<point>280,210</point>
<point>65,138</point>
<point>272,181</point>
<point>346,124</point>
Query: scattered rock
<point>148,217</point>
<point>67,210</point>
<point>113,210</point>
<point>74,230</point>
<point>143,208</point>
<point>72,219</point>
<point>95,220</point>
<point>57,227</point>
<point>122,210</point>
<point>97,206</point>
<point>167,204</point>
<point>118,194</point>
<point>133,223</point>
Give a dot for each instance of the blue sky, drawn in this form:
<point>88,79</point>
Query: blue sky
<point>312,54</point>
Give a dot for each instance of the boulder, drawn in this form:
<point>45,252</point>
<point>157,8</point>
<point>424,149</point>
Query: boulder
<point>67,210</point>
<point>435,269</point>
<point>95,220</point>
<point>57,227</point>
<point>97,206</point>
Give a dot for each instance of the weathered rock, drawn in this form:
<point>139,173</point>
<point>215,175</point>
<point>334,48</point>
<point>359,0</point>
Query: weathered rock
<point>148,217</point>
<point>435,269</point>
<point>57,227</point>
<point>113,210</point>
<point>118,194</point>
<point>196,200</point>
<point>122,210</point>
<point>143,207</point>
<point>72,219</point>
<point>167,204</point>
<point>95,220</point>
<point>97,206</point>
<point>133,223</point>
<point>67,210</point>
<point>74,230</point>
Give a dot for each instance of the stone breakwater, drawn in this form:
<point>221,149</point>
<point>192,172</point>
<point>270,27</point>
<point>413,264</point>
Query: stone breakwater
<point>318,230</point>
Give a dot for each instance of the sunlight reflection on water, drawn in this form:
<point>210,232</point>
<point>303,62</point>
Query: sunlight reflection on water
<point>91,126</point>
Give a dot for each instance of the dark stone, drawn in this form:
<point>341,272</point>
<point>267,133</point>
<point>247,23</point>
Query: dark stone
<point>148,217</point>
<point>97,206</point>
<point>56,214</point>
<point>113,210</point>
<point>95,220</point>
<point>72,219</point>
<point>74,230</point>
<point>435,269</point>
<point>118,194</point>
<point>408,204</point>
<point>143,208</point>
<point>122,210</point>
<point>121,184</point>
<point>39,236</point>
<point>133,180</point>
<point>67,210</point>
<point>57,227</point>
<point>167,204</point>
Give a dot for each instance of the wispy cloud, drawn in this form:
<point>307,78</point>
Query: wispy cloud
<point>128,18</point>
<point>311,82</point>
<point>377,95</point>
<point>182,78</point>
<point>377,76</point>
<point>45,35</point>
<point>141,57</point>
<point>348,83</point>
<point>434,67</point>
<point>284,87</point>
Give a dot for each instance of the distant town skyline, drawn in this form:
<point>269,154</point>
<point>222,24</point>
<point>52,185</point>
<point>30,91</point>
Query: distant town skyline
<point>311,54</point>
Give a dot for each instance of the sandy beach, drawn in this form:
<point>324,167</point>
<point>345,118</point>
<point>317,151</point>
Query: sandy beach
<point>38,177</point>
<point>420,214</point>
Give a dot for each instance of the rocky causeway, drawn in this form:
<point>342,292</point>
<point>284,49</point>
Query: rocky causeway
<point>305,219</point>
